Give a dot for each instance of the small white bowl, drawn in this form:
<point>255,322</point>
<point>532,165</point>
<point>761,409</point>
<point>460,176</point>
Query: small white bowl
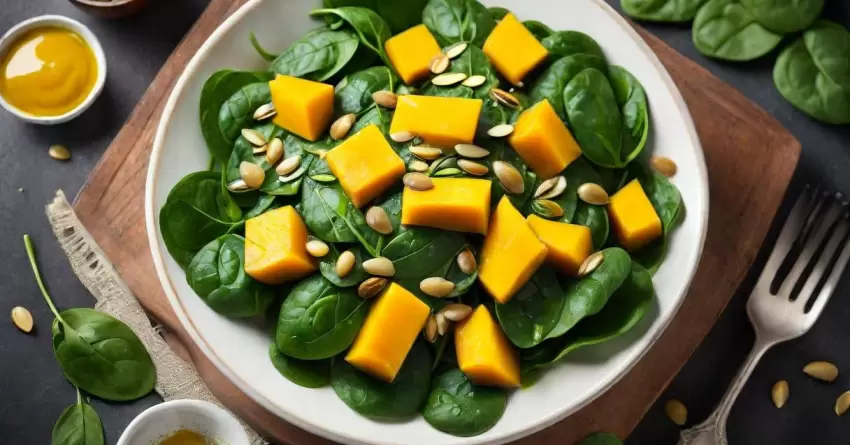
<point>62,22</point>
<point>160,421</point>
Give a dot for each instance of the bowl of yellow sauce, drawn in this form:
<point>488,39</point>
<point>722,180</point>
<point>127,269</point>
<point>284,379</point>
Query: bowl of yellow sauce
<point>184,422</point>
<point>52,68</point>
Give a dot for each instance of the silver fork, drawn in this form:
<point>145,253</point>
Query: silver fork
<point>813,240</point>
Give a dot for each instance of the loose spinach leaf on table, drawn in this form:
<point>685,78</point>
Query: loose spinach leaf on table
<point>538,29</point>
<point>327,266</point>
<point>237,112</point>
<point>353,94</point>
<point>306,373</point>
<point>333,218</point>
<point>372,30</point>
<point>634,112</point>
<point>594,117</point>
<point>471,62</point>
<point>453,21</point>
<point>399,15</point>
<point>726,30</point>
<point>601,439</point>
<point>785,16</point>
<point>319,55</point>
<point>551,83</point>
<point>380,400</point>
<point>79,424</point>
<point>319,320</point>
<point>534,310</point>
<point>675,11</point>
<point>461,408</point>
<point>566,43</point>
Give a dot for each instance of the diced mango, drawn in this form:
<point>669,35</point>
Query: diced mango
<point>365,165</point>
<point>303,107</point>
<point>543,141</point>
<point>460,204</point>
<point>484,353</point>
<point>569,244</point>
<point>440,121</point>
<point>393,323</point>
<point>513,49</point>
<point>511,253</point>
<point>411,52</point>
<point>275,247</point>
<point>633,217</point>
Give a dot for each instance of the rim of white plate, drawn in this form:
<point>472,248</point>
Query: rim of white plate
<point>293,416</point>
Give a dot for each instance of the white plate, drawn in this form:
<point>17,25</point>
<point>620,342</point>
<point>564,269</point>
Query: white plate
<point>240,351</point>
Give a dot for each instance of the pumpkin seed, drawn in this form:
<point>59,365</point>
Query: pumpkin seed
<point>451,171</point>
<point>439,64</point>
<point>593,194</point>
<point>402,136</point>
<point>417,181</point>
<point>842,404</point>
<point>500,131</point>
<point>590,264</point>
<point>448,79</point>
<point>425,152</point>
<point>821,370</point>
<point>379,266</point>
<point>385,98</point>
<point>371,287</point>
<point>294,175</point>
<point>547,209</point>
<point>503,97</point>
<point>59,152</point>
<point>238,186</point>
<point>474,81</point>
<point>509,177</point>
<point>664,165</point>
<point>275,151</point>
<point>442,163</point>
<point>252,174</point>
<point>473,168</point>
<point>261,150</point>
<point>341,126</point>
<point>456,311</point>
<point>471,151</point>
<point>779,393</point>
<point>323,178</point>
<point>264,112</point>
<point>417,166</point>
<point>22,318</point>
<point>288,165</point>
<point>254,137</point>
<point>551,188</point>
<point>437,287</point>
<point>466,262</point>
<point>442,323</point>
<point>317,248</point>
<point>455,50</point>
<point>430,329</point>
<point>676,411</point>
<point>377,219</point>
<point>345,263</point>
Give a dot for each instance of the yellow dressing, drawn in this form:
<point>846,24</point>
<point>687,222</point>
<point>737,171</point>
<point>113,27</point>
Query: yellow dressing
<point>185,437</point>
<point>48,72</point>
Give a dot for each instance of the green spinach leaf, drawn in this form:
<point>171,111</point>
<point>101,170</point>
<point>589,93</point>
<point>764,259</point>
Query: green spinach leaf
<point>551,83</point>
<point>501,151</point>
<point>726,30</point>
<point>594,117</point>
<point>595,218</point>
<point>634,111</point>
<point>237,112</point>
<point>498,13</point>
<point>327,266</point>
<point>539,29</point>
<point>333,218</point>
<point>262,52</point>
<point>566,43</point>
<point>461,408</point>
<point>318,55</point>
<point>399,15</point>
<point>453,21</point>
<point>675,11</point>
<point>785,16</point>
<point>534,310</point>
<point>372,30</point>
<point>353,94</point>
<point>306,373</point>
<point>471,62</point>
<point>601,439</point>
<point>79,424</point>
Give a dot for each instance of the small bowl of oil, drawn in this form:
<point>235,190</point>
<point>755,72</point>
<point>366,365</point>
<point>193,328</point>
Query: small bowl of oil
<point>52,69</point>
<point>184,422</point>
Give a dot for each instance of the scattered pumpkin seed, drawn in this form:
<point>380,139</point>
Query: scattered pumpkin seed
<point>676,411</point>
<point>294,175</point>
<point>288,165</point>
<point>451,171</point>
<point>417,166</point>
<point>779,393</point>
<point>593,194</point>
<point>22,318</point>
<point>509,177</point>
<point>238,186</point>
<point>252,174</point>
<point>317,248</point>
<point>551,188</point>
<point>325,178</point>
<point>59,152</point>
<point>341,126</point>
<point>439,64</point>
<point>500,131</point>
<point>471,151</point>
<point>466,262</point>
<point>842,404</point>
<point>664,165</point>
<point>547,209</point>
<point>448,79</point>
<point>442,323</point>
<point>821,370</point>
<point>274,151</point>
<point>474,81</point>
<point>425,152</point>
<point>456,49</point>
<point>254,137</point>
<point>417,181</point>
<point>377,219</point>
<point>443,162</point>
<point>456,311</point>
<point>437,287</point>
<point>402,136</point>
<point>472,167</point>
<point>503,97</point>
<point>591,263</point>
<point>264,112</point>
<point>430,329</point>
<point>345,263</point>
<point>371,287</point>
<point>260,150</point>
<point>379,266</point>
<point>385,98</point>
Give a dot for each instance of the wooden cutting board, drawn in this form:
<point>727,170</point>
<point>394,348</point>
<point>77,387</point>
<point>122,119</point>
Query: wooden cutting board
<point>750,161</point>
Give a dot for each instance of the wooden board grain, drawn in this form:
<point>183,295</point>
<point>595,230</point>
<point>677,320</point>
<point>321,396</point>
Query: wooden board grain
<point>750,160</point>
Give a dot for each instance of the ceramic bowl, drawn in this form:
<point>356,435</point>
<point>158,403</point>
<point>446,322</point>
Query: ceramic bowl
<point>240,350</point>
<point>160,421</point>
<point>114,9</point>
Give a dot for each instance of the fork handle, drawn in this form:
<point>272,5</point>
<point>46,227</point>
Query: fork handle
<point>713,430</point>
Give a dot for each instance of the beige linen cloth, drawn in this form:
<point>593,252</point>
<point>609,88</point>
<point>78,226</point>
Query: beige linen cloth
<point>175,379</point>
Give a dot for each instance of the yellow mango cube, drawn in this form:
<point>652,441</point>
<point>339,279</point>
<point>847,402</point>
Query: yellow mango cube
<point>543,141</point>
<point>304,107</point>
<point>511,253</point>
<point>634,219</point>
<point>365,165</point>
<point>569,244</point>
<point>459,204</point>
<point>411,52</point>
<point>484,353</point>
<point>440,121</point>
<point>513,49</point>
<point>275,247</point>
<point>390,329</point>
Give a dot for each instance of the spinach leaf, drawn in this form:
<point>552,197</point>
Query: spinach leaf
<point>333,218</point>
<point>79,424</point>
<point>566,43</point>
<point>539,29</point>
<point>319,320</point>
<point>319,55</point>
<point>785,16</point>
<point>471,62</point>
<point>372,30</point>
<point>453,21</point>
<point>726,30</point>
<point>588,295</point>
<point>461,408</point>
<point>596,218</point>
<point>594,117</point>
<point>455,91</point>
<point>243,151</point>
<point>634,111</point>
<point>579,172</point>
<point>327,266</point>
<point>601,439</point>
<point>267,56</point>
<point>217,275</point>
<point>501,151</point>
<point>237,112</point>
<point>534,310</point>
<point>662,10</point>
<point>399,15</point>
<point>262,205</point>
<point>380,400</point>
<point>497,12</point>
<point>551,83</point>
<point>813,73</point>
<point>306,373</point>
<point>353,94</point>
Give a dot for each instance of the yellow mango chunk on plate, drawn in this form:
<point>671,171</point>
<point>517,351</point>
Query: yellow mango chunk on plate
<point>459,204</point>
<point>513,49</point>
<point>543,141</point>
<point>411,52</point>
<point>365,165</point>
<point>276,247</point>
<point>569,244</point>
<point>634,219</point>
<point>511,253</point>
<point>440,121</point>
<point>304,107</point>
<point>484,353</point>
<point>390,329</point>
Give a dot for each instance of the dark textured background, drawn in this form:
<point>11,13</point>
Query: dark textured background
<point>33,392</point>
